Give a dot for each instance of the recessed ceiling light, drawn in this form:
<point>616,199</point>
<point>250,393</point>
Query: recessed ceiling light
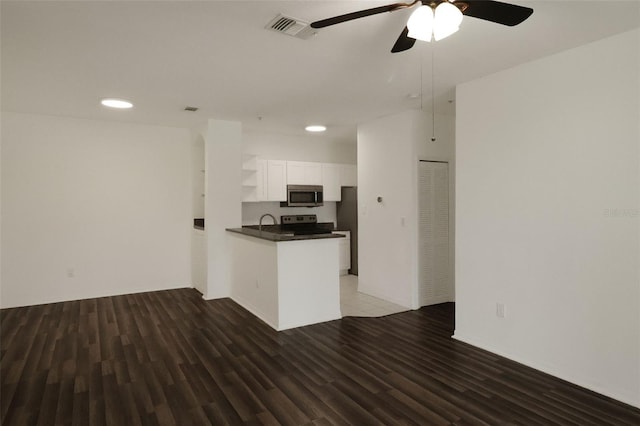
<point>315,128</point>
<point>116,103</point>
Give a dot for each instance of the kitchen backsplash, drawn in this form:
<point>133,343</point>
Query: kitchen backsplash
<point>251,212</point>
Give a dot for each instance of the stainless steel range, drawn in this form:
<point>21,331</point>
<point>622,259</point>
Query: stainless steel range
<point>304,224</point>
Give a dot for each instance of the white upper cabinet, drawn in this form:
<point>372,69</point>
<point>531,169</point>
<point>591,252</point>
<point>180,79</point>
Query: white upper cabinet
<point>331,181</point>
<point>348,175</point>
<point>314,173</point>
<point>266,180</point>
<point>276,180</point>
<point>295,173</point>
<point>262,178</point>
<point>304,173</point>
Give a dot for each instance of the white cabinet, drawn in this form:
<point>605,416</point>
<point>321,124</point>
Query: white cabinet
<point>261,180</point>
<point>304,173</point>
<point>276,180</point>
<point>295,173</point>
<point>348,175</point>
<point>345,252</point>
<point>330,176</point>
<point>313,173</point>
<point>264,180</point>
<point>267,180</point>
<point>331,181</point>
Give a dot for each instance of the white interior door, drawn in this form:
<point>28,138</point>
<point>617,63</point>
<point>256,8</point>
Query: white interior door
<point>433,234</point>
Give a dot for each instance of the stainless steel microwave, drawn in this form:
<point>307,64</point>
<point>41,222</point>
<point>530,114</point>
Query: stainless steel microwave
<point>304,196</point>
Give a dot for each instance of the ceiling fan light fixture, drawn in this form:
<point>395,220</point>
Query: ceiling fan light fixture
<point>426,23</point>
<point>423,20</point>
<point>446,21</point>
<point>420,23</point>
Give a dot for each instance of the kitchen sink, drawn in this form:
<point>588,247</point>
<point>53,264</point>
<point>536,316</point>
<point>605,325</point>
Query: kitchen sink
<point>273,229</point>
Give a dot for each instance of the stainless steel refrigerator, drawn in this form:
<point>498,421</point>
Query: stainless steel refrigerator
<point>347,220</point>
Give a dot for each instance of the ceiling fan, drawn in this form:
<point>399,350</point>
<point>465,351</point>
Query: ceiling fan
<point>437,18</point>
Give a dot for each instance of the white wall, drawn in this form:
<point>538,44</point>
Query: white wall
<point>388,153</point>
<point>197,173</point>
<point>223,201</point>
<point>92,208</point>
<point>547,200</point>
<point>276,146</point>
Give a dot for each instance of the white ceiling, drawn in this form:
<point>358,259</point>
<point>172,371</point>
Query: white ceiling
<point>61,58</point>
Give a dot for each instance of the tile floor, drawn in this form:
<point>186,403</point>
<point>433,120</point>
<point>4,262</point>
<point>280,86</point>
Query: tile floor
<point>355,304</point>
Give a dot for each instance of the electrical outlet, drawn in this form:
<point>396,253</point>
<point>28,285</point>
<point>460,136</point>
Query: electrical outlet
<point>500,310</point>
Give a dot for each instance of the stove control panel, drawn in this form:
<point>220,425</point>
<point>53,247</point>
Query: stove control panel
<point>298,219</point>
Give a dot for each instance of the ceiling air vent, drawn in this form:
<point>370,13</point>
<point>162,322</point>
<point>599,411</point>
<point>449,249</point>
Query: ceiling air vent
<point>291,26</point>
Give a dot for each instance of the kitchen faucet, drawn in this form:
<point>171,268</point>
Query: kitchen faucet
<point>275,222</point>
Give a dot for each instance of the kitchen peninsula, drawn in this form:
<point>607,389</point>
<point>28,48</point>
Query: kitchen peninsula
<point>286,279</point>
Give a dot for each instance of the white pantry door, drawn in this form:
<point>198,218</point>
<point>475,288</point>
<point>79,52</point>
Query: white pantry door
<point>433,233</point>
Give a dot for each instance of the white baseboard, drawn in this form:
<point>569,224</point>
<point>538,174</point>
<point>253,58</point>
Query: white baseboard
<point>257,312</point>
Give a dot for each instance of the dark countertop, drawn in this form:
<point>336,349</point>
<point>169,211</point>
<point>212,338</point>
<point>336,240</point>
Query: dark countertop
<point>266,234</point>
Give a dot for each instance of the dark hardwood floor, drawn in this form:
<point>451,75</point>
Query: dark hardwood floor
<point>171,358</point>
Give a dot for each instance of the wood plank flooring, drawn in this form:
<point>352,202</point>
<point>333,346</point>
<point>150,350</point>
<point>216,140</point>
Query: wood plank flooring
<point>170,358</point>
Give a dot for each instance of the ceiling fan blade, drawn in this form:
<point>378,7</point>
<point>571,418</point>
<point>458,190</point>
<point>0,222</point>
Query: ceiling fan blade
<point>404,42</point>
<point>498,12</point>
<point>360,14</point>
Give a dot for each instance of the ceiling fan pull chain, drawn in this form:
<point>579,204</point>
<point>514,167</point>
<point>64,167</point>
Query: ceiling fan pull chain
<point>421,84</point>
<point>433,97</point>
